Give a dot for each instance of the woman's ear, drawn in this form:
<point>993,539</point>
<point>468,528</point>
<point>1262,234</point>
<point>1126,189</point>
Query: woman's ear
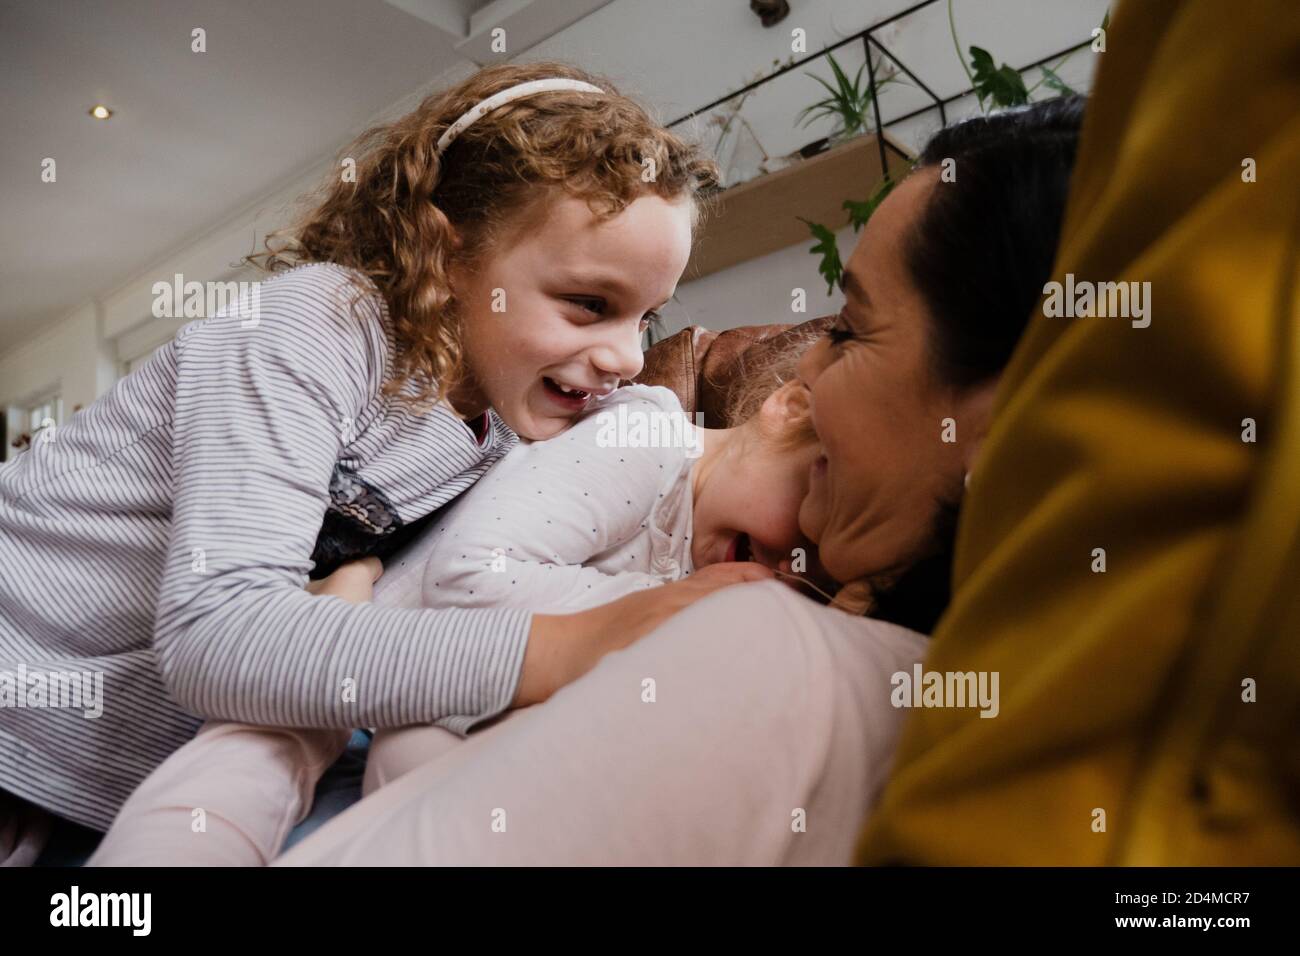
<point>975,415</point>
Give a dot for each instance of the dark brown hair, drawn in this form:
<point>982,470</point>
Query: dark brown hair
<point>980,253</point>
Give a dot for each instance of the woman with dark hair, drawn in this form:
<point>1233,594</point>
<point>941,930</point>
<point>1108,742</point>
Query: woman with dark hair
<point>758,726</point>
<point>1149,707</point>
<point>967,273</point>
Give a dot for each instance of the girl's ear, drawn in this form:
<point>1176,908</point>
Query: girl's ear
<point>459,272</point>
<point>790,403</point>
<point>454,240</point>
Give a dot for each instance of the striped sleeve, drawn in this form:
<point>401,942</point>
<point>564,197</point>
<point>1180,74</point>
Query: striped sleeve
<point>259,417</point>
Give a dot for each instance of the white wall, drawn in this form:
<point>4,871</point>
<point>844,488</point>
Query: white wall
<point>758,292</point>
<point>72,359</point>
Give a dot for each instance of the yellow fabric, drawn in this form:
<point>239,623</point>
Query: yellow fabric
<point>1122,691</point>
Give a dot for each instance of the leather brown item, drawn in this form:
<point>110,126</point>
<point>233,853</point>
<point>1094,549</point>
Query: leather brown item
<point>703,367</point>
<point>671,363</point>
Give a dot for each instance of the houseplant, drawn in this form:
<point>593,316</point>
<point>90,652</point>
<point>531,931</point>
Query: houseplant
<point>848,102</point>
<point>995,87</point>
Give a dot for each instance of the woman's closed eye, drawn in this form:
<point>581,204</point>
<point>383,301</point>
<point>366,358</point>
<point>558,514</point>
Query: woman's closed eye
<point>839,332</point>
<point>842,330</point>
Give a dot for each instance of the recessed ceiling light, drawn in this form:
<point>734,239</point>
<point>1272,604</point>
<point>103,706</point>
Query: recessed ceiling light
<point>100,111</point>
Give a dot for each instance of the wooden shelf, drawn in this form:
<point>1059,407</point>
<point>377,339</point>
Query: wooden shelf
<point>762,215</point>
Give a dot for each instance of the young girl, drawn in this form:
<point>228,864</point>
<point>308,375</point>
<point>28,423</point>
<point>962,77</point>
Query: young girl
<point>491,268</point>
<point>595,514</point>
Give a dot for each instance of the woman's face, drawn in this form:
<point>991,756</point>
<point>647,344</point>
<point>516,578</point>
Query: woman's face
<point>879,411</point>
<point>554,315</point>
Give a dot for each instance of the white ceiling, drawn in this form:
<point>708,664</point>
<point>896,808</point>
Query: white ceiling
<point>195,135</point>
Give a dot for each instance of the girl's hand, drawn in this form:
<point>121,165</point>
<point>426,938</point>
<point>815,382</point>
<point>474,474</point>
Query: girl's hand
<point>353,581</point>
<point>561,648</point>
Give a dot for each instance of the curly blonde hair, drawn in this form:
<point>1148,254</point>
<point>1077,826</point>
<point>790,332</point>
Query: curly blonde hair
<point>411,214</point>
<point>755,380</point>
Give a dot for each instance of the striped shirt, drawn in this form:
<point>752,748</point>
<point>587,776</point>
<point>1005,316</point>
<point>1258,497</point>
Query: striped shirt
<point>161,540</point>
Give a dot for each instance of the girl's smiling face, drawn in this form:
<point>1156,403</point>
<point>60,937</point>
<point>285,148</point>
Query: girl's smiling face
<point>553,317</point>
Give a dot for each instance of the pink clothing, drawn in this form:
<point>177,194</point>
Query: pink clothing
<point>763,737</point>
<point>768,740</point>
<point>229,797</point>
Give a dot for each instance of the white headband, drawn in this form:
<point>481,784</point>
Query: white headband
<point>472,116</point>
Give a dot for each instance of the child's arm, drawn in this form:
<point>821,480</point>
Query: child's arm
<point>521,537</point>
<point>258,421</point>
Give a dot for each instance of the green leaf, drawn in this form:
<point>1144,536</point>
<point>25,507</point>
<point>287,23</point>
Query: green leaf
<point>1055,82</point>
<point>830,267</point>
<point>1003,85</point>
<point>846,89</point>
<point>860,212</point>
<point>815,112</point>
<point>830,105</point>
<point>981,62</point>
<point>835,95</point>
